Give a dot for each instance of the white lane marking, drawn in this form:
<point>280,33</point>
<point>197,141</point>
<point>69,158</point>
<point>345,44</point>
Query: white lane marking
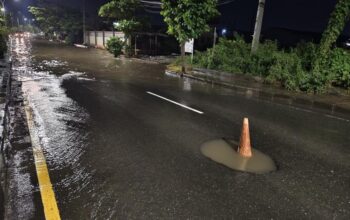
<point>176,103</point>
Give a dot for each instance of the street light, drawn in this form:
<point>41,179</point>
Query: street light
<point>25,20</point>
<point>223,32</point>
<point>3,10</point>
<point>3,6</point>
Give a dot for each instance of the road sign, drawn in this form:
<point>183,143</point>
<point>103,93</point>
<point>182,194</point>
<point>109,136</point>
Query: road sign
<point>189,46</point>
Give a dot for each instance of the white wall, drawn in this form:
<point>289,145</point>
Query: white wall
<point>99,38</point>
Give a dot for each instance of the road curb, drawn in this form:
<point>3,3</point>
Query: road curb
<point>332,109</point>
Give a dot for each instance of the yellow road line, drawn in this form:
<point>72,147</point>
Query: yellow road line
<point>47,194</point>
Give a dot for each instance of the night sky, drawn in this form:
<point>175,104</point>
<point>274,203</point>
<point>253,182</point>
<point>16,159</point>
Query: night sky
<point>301,15</point>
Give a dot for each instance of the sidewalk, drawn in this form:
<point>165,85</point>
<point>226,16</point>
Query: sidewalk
<point>18,176</point>
<point>336,103</point>
<point>5,74</point>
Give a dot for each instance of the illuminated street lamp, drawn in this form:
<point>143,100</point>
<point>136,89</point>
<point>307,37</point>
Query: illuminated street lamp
<point>223,32</point>
<point>3,9</point>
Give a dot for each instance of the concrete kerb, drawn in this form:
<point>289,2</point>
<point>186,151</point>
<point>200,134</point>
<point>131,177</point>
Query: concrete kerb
<point>333,109</point>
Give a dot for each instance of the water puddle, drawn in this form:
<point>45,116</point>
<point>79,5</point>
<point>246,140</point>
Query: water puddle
<point>224,152</point>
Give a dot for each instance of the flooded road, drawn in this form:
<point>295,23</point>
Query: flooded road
<point>114,151</point>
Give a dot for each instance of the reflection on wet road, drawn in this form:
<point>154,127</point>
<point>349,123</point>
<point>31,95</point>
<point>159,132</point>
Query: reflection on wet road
<point>115,151</point>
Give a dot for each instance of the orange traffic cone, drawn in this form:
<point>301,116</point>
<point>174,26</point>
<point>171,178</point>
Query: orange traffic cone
<point>245,149</point>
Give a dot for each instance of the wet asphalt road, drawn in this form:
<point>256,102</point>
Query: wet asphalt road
<point>116,152</point>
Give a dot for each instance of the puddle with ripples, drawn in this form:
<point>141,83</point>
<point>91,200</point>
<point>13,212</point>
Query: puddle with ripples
<point>223,152</point>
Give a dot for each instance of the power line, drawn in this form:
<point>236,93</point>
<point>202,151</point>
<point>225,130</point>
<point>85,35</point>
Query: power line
<point>225,2</point>
<point>151,2</point>
<point>151,11</point>
<point>158,4</point>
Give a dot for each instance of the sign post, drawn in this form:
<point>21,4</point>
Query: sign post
<point>189,45</point>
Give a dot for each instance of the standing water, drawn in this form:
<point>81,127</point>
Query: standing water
<point>60,123</point>
<point>74,128</point>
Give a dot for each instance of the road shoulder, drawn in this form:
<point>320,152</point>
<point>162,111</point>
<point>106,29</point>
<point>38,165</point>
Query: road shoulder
<point>19,182</point>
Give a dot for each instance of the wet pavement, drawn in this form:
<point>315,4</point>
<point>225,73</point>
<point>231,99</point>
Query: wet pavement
<point>114,151</point>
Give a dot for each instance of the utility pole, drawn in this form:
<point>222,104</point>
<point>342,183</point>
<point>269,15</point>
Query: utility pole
<point>11,17</point>
<point>18,22</point>
<point>258,25</point>
<point>84,21</point>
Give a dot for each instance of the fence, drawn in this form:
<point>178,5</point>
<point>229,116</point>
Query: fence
<point>141,42</point>
<point>100,38</point>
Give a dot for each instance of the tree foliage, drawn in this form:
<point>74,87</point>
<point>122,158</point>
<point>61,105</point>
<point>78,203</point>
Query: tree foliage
<point>127,26</point>
<point>4,32</point>
<point>290,68</point>
<point>63,21</point>
<point>124,11</point>
<point>115,46</point>
<point>119,9</point>
<point>3,40</point>
<point>339,17</point>
<point>188,19</point>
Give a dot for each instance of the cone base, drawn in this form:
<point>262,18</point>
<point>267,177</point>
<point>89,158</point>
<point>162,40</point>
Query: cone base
<point>223,152</point>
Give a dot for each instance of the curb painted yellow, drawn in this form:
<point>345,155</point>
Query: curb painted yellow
<point>47,194</point>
